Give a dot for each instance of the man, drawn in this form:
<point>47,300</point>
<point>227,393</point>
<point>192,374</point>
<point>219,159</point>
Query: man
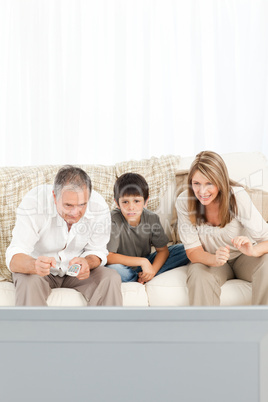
<point>57,226</point>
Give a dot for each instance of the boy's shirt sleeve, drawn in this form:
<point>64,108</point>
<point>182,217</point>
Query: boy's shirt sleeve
<point>159,237</point>
<point>113,244</point>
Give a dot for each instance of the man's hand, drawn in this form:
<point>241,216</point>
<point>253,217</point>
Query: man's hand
<point>84,271</point>
<point>43,265</point>
<point>147,273</point>
<point>243,244</point>
<point>222,256</point>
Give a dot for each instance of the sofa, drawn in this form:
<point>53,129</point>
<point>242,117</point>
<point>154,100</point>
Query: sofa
<point>167,177</point>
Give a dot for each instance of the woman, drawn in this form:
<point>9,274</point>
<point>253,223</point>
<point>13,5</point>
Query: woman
<point>224,235</point>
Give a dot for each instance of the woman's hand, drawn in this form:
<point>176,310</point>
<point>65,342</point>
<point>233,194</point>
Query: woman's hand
<point>222,256</point>
<point>243,244</point>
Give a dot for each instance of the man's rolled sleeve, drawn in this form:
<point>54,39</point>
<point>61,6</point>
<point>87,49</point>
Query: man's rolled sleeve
<point>97,244</point>
<point>24,237</point>
<point>101,254</point>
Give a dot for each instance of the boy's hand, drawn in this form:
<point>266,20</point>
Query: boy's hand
<point>147,273</point>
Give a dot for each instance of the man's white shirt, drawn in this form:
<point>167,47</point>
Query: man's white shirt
<point>40,230</point>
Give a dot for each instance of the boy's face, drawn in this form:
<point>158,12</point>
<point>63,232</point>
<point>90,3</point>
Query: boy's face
<point>131,207</point>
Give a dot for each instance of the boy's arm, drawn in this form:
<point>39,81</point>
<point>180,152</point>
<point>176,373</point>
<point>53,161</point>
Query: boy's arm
<point>115,258</point>
<point>162,254</point>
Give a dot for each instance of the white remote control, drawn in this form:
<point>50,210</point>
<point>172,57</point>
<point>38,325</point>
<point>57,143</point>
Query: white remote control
<point>73,270</point>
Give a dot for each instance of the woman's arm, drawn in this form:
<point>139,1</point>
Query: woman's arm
<point>198,254</point>
<point>243,244</point>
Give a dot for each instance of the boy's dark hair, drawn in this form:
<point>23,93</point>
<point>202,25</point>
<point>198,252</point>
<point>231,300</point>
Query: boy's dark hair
<point>132,184</point>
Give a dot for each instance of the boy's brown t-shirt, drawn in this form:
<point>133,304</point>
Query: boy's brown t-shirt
<point>136,241</point>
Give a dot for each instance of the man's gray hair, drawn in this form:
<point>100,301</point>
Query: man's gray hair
<point>72,177</point>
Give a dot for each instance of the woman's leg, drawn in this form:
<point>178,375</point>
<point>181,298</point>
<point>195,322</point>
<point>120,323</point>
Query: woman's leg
<point>255,270</point>
<point>204,283</point>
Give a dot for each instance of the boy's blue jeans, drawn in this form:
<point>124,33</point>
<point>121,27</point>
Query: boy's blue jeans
<point>177,257</point>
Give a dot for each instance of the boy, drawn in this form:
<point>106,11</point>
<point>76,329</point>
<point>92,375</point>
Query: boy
<point>134,230</point>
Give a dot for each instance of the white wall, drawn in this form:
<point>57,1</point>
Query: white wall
<point>100,81</point>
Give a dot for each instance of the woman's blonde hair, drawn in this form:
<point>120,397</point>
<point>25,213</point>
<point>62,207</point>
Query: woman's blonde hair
<point>212,166</point>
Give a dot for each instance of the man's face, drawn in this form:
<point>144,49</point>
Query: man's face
<point>72,205</point>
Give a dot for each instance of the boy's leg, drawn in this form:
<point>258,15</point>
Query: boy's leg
<point>127,273</point>
<point>177,258</point>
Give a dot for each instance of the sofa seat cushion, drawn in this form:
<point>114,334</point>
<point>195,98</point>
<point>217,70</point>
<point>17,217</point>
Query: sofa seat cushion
<point>7,294</point>
<point>66,297</point>
<point>134,294</point>
<point>236,292</point>
<point>169,288</point>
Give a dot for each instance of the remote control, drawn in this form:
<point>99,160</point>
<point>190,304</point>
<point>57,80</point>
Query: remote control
<point>73,270</point>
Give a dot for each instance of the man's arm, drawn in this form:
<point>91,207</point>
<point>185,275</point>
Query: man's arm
<point>25,264</point>
<point>99,229</point>
<point>93,261</point>
<point>22,263</point>
<point>25,233</point>
<point>87,264</point>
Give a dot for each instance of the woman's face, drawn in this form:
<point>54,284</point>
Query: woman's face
<point>205,191</point>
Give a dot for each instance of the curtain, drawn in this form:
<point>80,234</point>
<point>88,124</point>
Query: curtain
<point>102,81</point>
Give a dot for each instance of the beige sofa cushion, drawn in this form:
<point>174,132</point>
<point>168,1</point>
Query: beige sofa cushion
<point>133,293</point>
<point>170,289</point>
